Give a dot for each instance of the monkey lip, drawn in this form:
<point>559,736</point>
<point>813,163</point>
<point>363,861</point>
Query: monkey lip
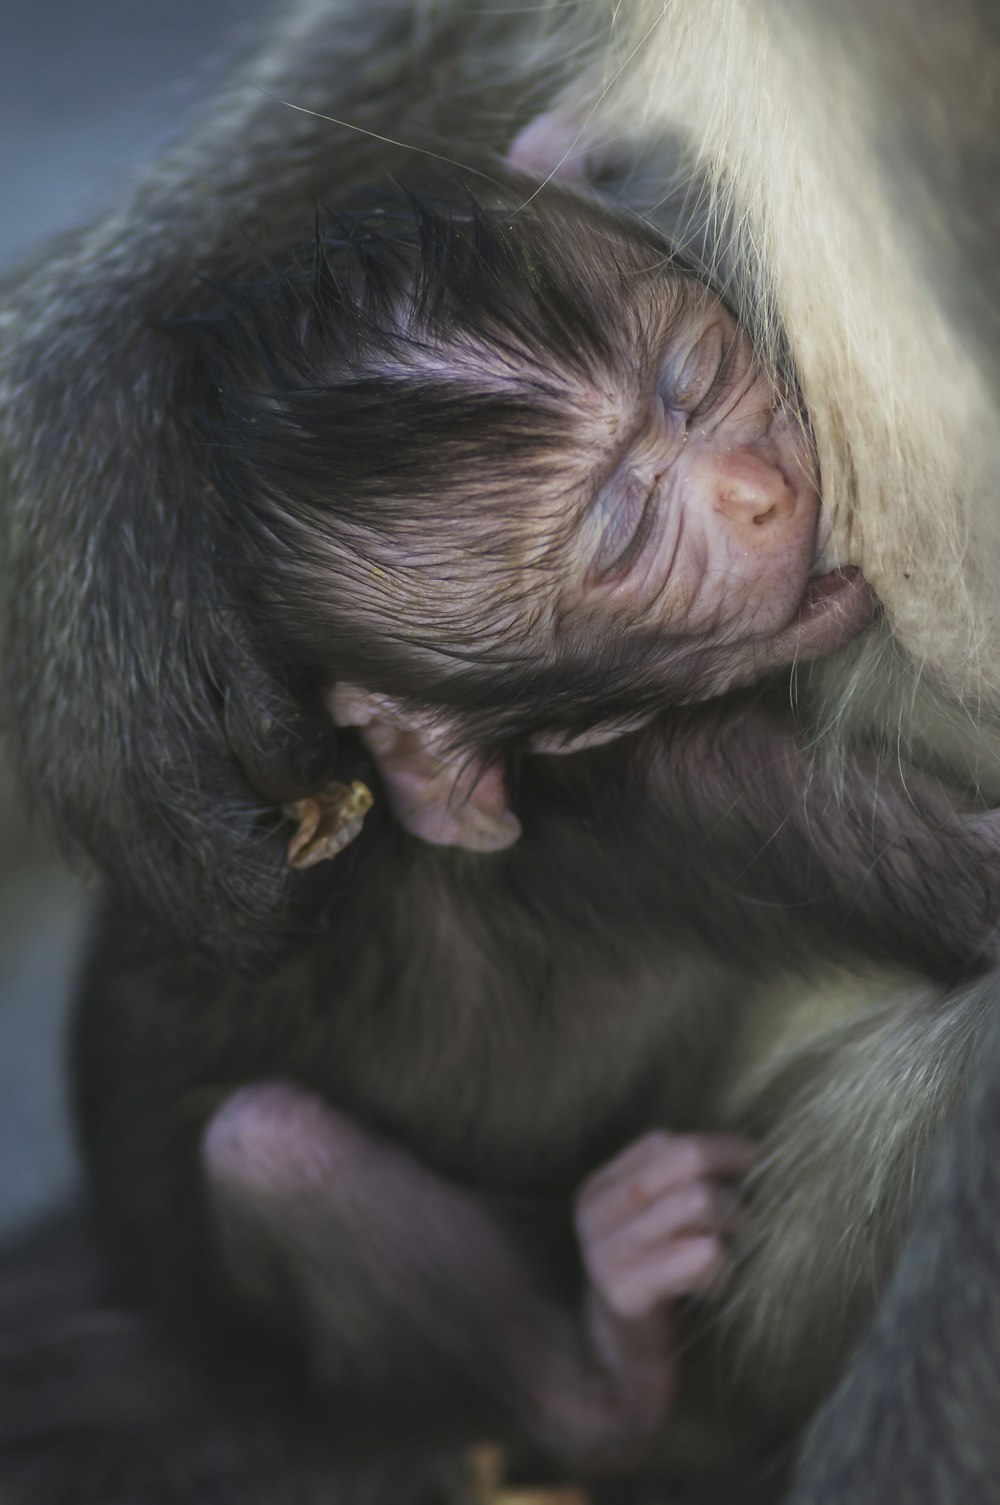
<point>848,581</point>
<point>835,606</point>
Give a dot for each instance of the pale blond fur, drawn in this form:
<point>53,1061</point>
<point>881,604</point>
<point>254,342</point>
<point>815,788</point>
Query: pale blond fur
<point>848,1079</point>
<point>786,141</point>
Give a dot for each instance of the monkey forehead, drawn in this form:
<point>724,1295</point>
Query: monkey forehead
<point>551,279</point>
<point>594,371</point>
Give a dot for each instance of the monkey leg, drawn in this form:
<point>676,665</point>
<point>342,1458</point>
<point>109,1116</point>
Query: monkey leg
<point>408,1298</point>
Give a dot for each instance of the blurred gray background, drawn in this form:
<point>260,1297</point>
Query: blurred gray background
<point>87,93</point>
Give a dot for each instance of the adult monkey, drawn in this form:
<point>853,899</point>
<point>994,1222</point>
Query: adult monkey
<point>854,336</point>
<point>851,208</point>
<point>905,412</point>
<point>854,206</point>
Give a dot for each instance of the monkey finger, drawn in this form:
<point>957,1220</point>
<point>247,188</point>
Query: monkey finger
<point>703,1207</point>
<point>652,1166</point>
<point>682,1267</point>
<point>666,1158</point>
<point>691,1212</point>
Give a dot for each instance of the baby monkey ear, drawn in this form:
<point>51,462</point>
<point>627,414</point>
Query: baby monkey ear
<point>446,797</point>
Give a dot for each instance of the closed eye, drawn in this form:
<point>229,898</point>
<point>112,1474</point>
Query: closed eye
<point>629,509</point>
<point>698,371</point>
<point>695,385</point>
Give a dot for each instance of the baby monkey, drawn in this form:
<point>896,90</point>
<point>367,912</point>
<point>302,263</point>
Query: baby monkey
<point>503,479</point>
<point>508,474</point>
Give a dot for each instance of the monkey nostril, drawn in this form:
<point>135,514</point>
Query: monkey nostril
<point>755,492</point>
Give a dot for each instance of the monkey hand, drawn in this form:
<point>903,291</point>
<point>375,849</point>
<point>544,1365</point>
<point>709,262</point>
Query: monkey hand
<point>652,1222</point>
<point>652,1226</point>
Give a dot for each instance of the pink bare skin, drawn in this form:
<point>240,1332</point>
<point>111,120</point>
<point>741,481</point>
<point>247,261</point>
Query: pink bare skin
<point>653,1226</point>
<point>717,495</point>
<point>707,525</point>
<point>305,1197</point>
<point>698,523</point>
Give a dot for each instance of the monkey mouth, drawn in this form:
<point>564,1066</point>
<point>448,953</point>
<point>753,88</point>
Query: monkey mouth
<point>835,607</point>
<point>822,589</point>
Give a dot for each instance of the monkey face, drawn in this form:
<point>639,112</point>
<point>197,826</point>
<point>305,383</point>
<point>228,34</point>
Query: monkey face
<point>516,473</point>
<point>695,546</point>
<point>707,527</point>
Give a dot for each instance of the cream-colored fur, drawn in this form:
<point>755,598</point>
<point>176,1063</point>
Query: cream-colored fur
<point>847,1078</point>
<point>787,141</point>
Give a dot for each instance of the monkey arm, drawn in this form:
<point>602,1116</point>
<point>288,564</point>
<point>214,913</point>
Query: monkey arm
<point>148,725</point>
<point>867,856</point>
<point>134,737</point>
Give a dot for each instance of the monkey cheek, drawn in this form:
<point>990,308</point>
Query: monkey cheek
<point>833,609</point>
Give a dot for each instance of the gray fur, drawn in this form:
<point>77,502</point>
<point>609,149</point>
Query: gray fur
<point>122,631</point>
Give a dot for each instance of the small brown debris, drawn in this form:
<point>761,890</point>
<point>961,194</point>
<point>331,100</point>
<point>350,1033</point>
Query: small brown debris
<point>327,822</point>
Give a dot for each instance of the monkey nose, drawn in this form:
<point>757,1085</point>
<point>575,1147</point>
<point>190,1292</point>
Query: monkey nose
<point>752,489</point>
